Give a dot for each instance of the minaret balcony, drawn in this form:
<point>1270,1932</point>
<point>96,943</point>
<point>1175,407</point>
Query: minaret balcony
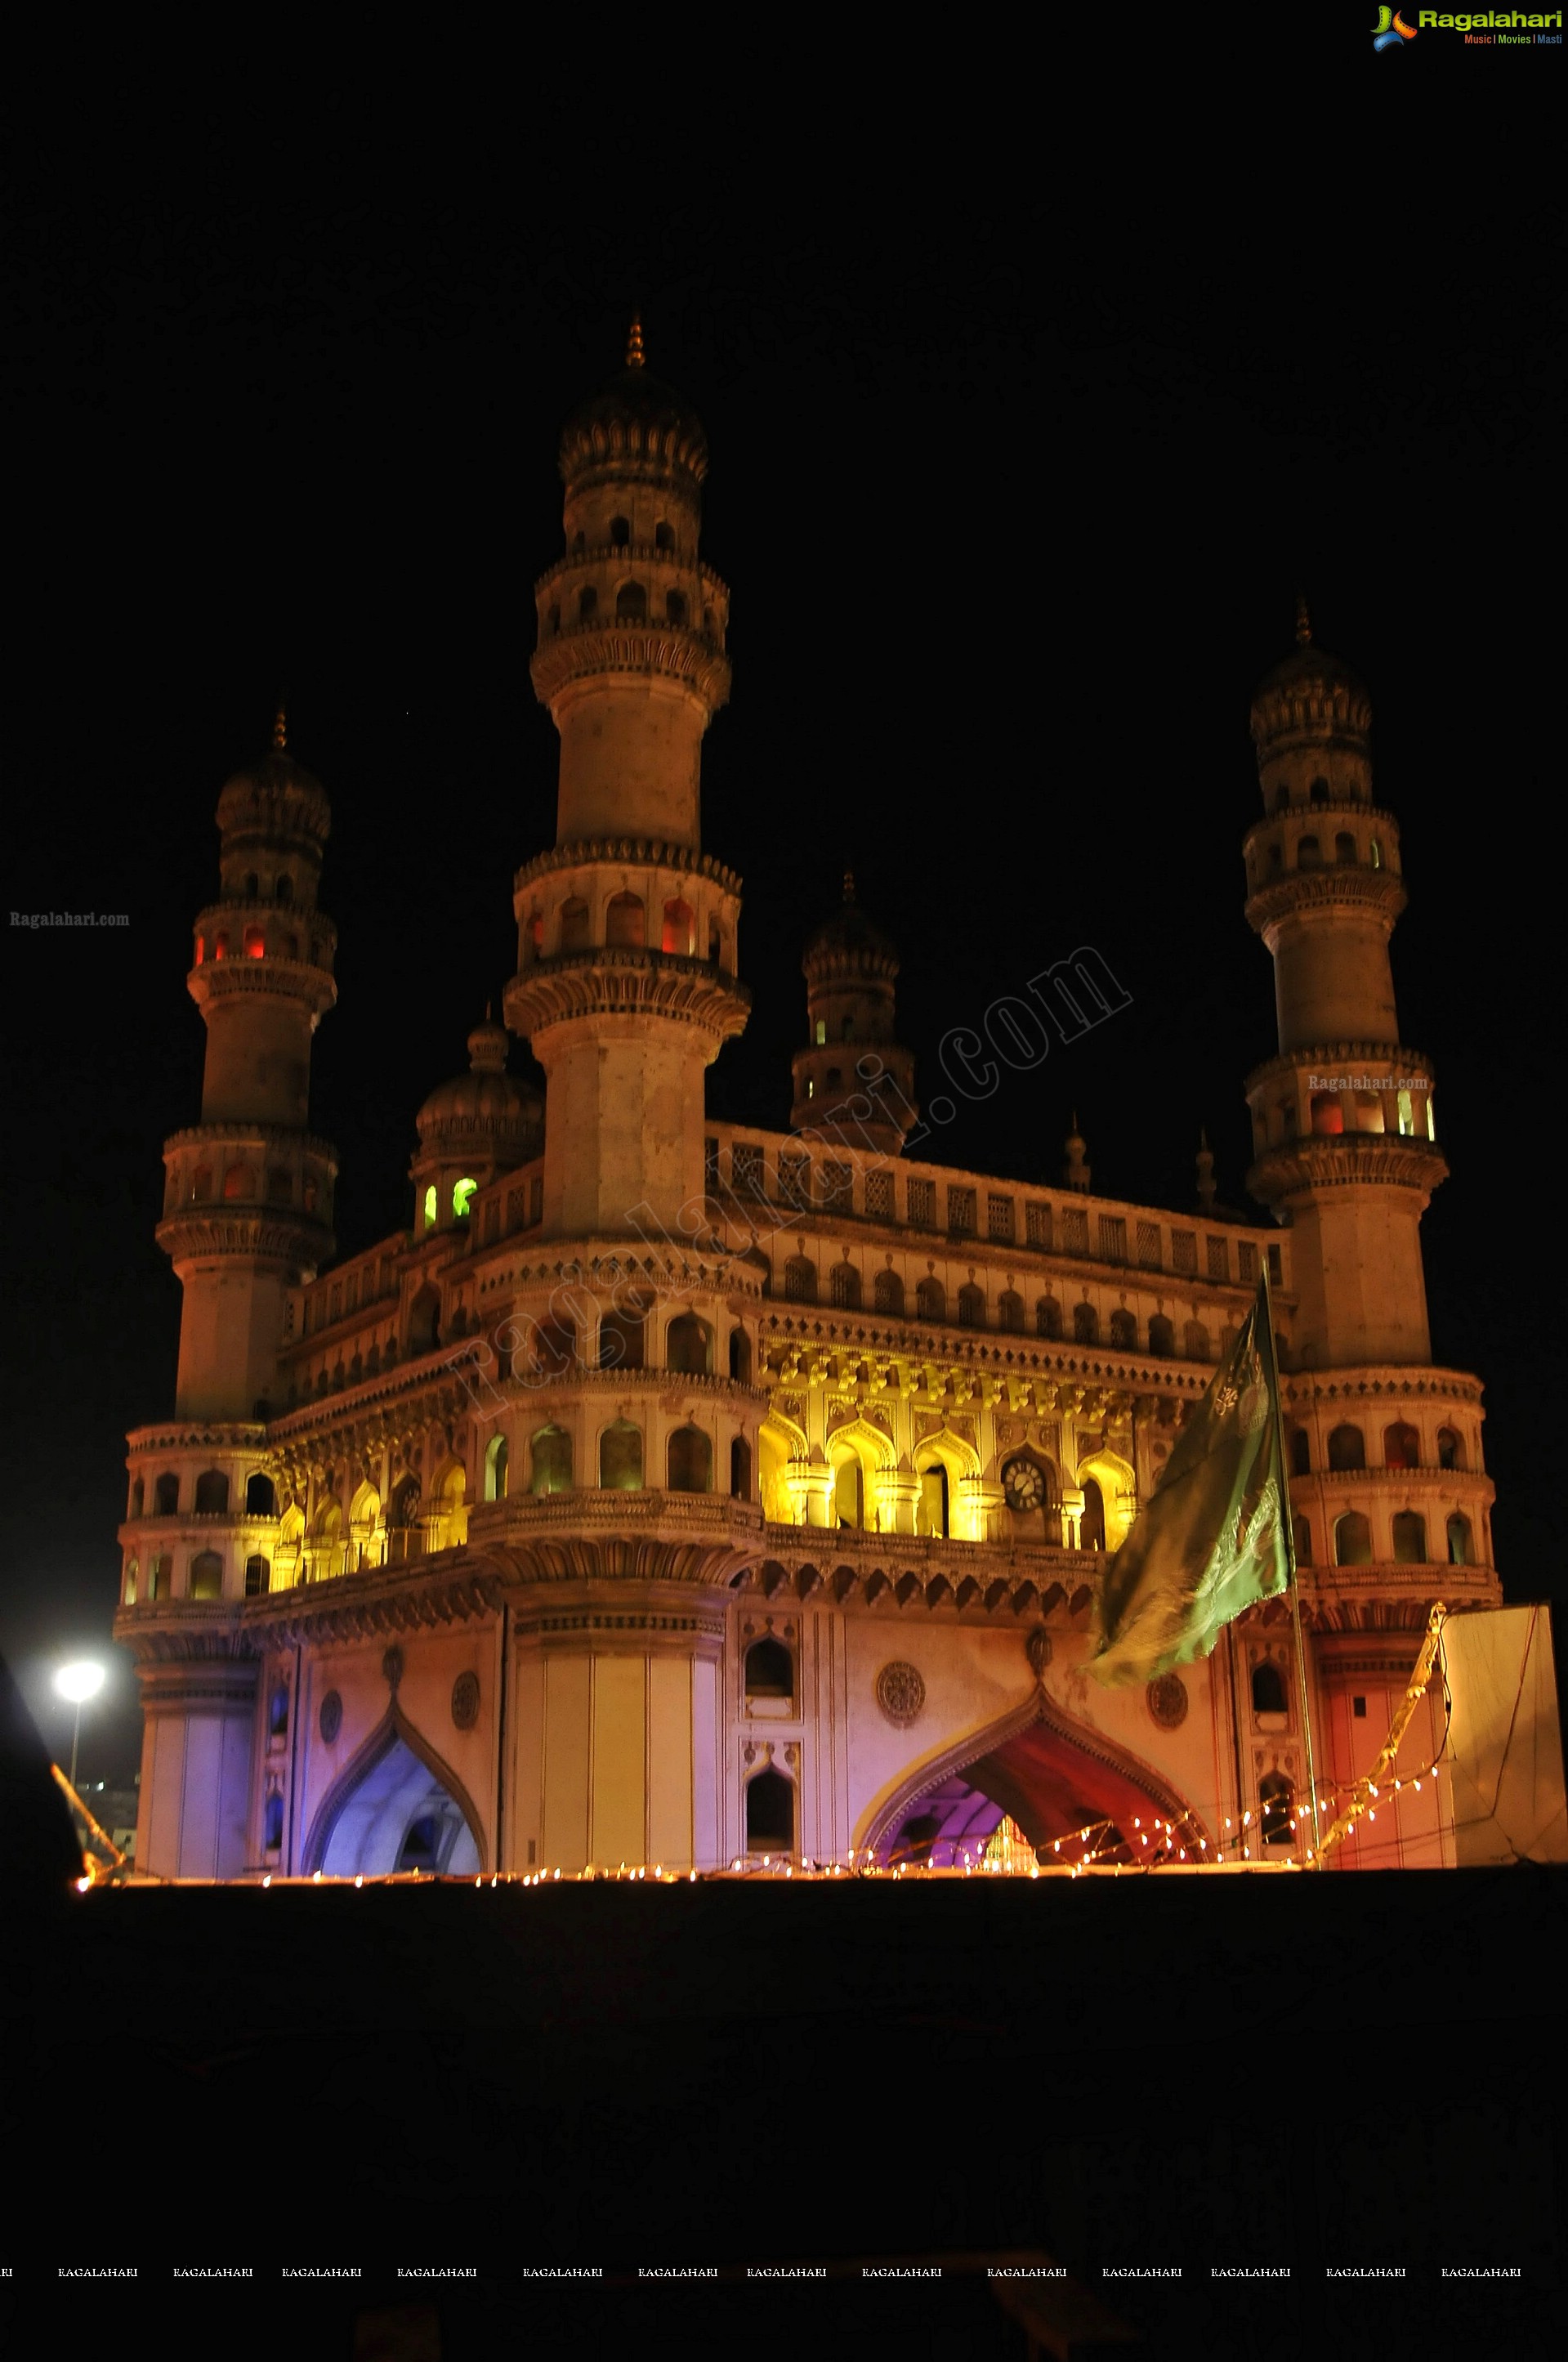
<point>1341,1160</point>
<point>601,646</point>
<point>1338,888</point>
<point>634,980</point>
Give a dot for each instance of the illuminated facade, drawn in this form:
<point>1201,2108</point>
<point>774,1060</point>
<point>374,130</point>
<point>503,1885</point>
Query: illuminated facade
<point>672,1490</point>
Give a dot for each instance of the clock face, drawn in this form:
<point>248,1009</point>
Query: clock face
<point>1023,1485</point>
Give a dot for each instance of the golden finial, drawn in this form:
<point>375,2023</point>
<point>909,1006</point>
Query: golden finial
<point>849,885</point>
<point>280,731</point>
<point>1303,622</point>
<point>635,342</point>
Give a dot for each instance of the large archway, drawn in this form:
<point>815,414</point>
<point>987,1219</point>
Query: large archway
<point>1040,1768</point>
<point>394,1807</point>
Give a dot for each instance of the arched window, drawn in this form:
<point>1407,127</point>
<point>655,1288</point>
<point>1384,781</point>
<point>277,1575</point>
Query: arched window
<point>555,1348</point>
<point>1162,1334</point>
<point>285,892</point>
<point>1010,1311</point>
<point>463,1195</point>
<point>1282,797</point>
<point>843,1287</point>
<point>740,1357</point>
<point>1309,853</point>
<point>138,1496</point>
<point>1300,1453</point>
<point>549,1454</point>
<point>234,1181</point>
<point>272,1833</point>
<point>1347,1448</point>
<point>257,1577</point>
<point>626,921</point>
<point>586,603</point>
<point>1401,1446</point>
<point>675,606</point>
<point>133,1574</point>
<point>211,1494</point>
<point>1195,1341</point>
<point>1091,1525</point>
<point>166,1497</point>
<point>158,1579</point>
<point>1301,1537</point>
<point>1276,1794</point>
<point>621,1338</point>
<point>1451,1447</point>
<point>769,1812</point>
<point>849,1493</point>
<point>663,536</point>
<point>1352,1539</point>
<point>689,1347</point>
<point>1410,1538</point>
<point>691,1461</point>
<point>799,1280</point>
<point>261,1496</point>
<point>933,1501</point>
<point>255,942</point>
<point>1047,1317</point>
<point>1461,1548</point>
<point>620,533</point>
<point>1085,1325</point>
<point>888,1292</point>
<point>740,1469</point>
<point>632,602</point>
<point>1276,857</point>
<point>621,1457</point>
<point>931,1300</point>
<point>207,1577</point>
<point>680,932</point>
<point>1124,1329</point>
<point>971,1306</point>
<point>1375,855</point>
<point>1317,793</point>
<point>769,1670</point>
<point>432,1207</point>
<point>1344,847</point>
<point>552,618</point>
<point>715,942</point>
<point>495,1457</point>
<point>424,1322</point>
<point>1268,1689</point>
<point>280,1186</point>
<point>1328,1112</point>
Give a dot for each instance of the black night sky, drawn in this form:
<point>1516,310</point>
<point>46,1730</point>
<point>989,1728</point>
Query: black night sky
<point>1015,491</point>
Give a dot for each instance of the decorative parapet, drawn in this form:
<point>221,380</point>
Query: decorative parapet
<point>632,980</point>
<point>1339,886</point>
<point>589,650</point>
<point>635,852</point>
<point>1347,1160</point>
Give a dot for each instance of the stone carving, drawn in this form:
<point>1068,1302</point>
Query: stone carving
<point>1039,1647</point>
<point>1168,1700</point>
<point>901,1692</point>
<point>392,1669</point>
<point>330,1721</point>
<point>466,1701</point>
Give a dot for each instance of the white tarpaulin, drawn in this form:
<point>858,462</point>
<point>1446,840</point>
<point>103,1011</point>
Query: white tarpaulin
<point>1505,1745</point>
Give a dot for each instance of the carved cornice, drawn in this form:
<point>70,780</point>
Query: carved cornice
<point>1338,886</point>
<point>1346,1160</point>
<point>454,1588</point>
<point>239,1133</point>
<point>184,1632</point>
<point>1332,1057</point>
<point>272,1235</point>
<point>403,1397</point>
<point>617,981</point>
<point>197,1435</point>
<point>591,650</point>
<point>629,852</point>
<point>1369,1381</point>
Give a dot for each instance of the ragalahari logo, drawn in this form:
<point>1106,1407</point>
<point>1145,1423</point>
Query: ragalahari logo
<point>1390,30</point>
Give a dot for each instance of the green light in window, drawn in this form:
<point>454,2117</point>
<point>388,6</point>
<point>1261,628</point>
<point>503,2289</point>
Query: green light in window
<point>462,1198</point>
<point>430,1207</point>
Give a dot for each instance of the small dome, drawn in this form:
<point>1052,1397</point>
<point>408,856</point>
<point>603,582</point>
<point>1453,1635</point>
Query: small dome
<point>275,793</point>
<point>1309,692</point>
<point>637,424</point>
<point>849,939</point>
<point>487,1107</point>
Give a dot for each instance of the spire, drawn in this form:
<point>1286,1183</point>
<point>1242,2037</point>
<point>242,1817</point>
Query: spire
<point>635,342</point>
<point>849,885</point>
<point>1303,622</point>
<point>280,731</point>
<point>1204,1173</point>
<point>1075,1172</point>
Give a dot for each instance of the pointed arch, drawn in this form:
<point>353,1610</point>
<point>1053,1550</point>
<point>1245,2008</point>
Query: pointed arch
<point>1118,1491</point>
<point>393,1728</point>
<point>1097,1777</point>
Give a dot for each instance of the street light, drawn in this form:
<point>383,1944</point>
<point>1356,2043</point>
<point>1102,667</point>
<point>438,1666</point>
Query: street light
<point>78,1682</point>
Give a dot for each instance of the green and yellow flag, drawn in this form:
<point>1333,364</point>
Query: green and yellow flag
<point>1212,1539</point>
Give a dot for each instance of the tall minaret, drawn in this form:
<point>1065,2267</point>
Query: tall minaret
<point>247,1203</point>
<point>853,1081</point>
<point>626,929</point>
<point>1342,1125</point>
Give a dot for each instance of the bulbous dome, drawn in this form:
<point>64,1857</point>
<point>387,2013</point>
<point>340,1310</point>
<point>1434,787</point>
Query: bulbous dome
<point>636,425</point>
<point>275,796</point>
<point>1310,694</point>
<point>849,942</point>
<point>487,1108</point>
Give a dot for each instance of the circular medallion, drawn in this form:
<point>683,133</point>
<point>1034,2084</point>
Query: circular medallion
<point>330,1720</point>
<point>1168,1700</point>
<point>901,1692</point>
<point>465,1701</point>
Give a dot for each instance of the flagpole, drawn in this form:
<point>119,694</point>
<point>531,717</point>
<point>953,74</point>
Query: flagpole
<point>1293,1585</point>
